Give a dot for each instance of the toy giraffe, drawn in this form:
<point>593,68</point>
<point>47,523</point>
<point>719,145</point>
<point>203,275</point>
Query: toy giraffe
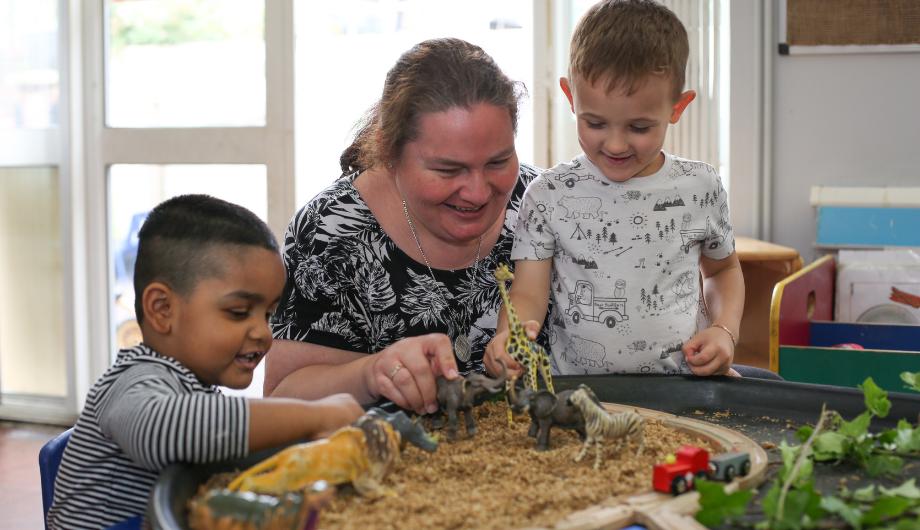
<point>528,353</point>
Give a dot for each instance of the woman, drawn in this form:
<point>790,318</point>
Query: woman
<point>406,242</point>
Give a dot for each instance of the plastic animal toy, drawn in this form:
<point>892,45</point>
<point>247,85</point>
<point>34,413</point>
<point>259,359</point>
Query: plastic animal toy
<point>547,410</point>
<point>678,474</point>
<point>243,510</point>
<point>599,424</point>
<point>361,455</point>
<point>461,394</point>
<point>527,352</point>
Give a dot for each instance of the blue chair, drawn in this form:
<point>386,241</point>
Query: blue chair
<point>49,460</point>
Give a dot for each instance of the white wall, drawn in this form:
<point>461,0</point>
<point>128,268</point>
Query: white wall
<point>845,120</point>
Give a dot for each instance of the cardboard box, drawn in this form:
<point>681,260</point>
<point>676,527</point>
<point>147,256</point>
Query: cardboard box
<point>878,286</point>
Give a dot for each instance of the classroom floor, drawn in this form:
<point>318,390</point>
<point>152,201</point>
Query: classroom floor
<point>20,487</point>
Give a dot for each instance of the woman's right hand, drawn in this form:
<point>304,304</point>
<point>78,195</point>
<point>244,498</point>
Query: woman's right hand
<point>405,371</point>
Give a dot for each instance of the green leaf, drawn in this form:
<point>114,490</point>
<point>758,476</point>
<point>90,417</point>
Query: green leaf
<point>906,524</point>
<point>789,454</point>
<point>884,465</point>
<point>804,432</point>
<point>830,446</point>
<point>716,505</point>
<point>908,490</point>
<point>856,428</point>
<point>866,494</point>
<point>885,508</point>
<point>912,380</point>
<point>876,398</point>
<point>801,505</point>
<point>907,438</point>
<point>850,514</point>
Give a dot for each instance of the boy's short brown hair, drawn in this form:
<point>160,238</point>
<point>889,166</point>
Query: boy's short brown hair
<point>624,41</point>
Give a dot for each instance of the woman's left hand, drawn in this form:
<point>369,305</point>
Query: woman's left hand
<point>710,352</point>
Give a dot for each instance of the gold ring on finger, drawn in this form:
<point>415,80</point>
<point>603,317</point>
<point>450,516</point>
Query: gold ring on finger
<point>396,368</point>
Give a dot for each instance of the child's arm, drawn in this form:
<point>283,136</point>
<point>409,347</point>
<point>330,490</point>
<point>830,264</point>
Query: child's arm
<point>711,351</point>
<point>529,295</point>
<point>157,422</point>
<point>277,421</point>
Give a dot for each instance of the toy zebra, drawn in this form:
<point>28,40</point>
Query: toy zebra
<point>600,424</point>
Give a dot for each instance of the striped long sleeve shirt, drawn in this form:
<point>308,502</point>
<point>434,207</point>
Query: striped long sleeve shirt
<point>146,412</point>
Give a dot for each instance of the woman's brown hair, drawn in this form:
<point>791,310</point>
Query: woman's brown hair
<point>434,76</point>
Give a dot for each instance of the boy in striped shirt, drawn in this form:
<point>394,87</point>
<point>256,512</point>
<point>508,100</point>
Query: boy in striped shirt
<point>207,277</point>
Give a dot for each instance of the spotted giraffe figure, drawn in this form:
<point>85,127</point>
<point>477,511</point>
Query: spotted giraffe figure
<point>528,353</point>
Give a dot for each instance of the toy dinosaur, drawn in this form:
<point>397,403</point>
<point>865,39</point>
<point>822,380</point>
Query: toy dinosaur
<point>520,347</point>
<point>361,455</point>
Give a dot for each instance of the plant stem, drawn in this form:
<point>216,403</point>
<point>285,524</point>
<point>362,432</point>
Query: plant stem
<point>803,456</point>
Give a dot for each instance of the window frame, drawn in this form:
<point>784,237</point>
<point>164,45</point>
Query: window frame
<point>271,145</point>
<point>83,147</point>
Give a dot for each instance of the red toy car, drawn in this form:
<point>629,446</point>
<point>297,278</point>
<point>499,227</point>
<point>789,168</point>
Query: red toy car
<point>677,477</point>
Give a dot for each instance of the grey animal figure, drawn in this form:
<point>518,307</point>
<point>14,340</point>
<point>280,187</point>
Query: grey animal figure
<point>409,431</point>
<point>547,410</point>
<point>462,394</point>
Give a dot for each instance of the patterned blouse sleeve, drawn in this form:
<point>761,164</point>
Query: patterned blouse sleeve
<point>309,310</point>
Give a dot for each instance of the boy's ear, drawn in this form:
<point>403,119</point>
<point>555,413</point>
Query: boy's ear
<point>567,90</point>
<point>681,104</point>
<point>159,305</point>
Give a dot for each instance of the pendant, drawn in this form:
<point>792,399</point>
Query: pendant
<point>462,347</point>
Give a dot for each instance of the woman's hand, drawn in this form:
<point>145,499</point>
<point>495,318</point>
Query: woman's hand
<point>496,351</point>
<point>405,371</point>
<point>710,352</point>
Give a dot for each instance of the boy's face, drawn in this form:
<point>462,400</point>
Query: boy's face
<point>220,330</point>
<point>622,133</point>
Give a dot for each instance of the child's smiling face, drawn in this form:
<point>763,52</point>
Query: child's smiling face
<point>622,133</point>
<point>220,330</point>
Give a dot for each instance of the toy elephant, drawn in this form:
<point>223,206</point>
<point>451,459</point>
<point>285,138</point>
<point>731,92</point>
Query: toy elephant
<point>547,409</point>
<point>462,394</point>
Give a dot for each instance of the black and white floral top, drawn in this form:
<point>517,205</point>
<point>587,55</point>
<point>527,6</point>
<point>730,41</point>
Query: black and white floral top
<point>350,287</point>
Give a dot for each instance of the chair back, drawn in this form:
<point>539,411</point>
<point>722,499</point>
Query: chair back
<point>49,460</point>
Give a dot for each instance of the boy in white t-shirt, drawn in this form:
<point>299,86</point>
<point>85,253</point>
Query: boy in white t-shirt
<point>618,237</point>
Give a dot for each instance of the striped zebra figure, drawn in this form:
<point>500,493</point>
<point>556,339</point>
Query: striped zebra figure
<point>600,424</point>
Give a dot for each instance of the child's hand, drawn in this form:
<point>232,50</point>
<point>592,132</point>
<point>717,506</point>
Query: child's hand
<point>336,411</point>
<point>495,350</point>
<point>710,352</point>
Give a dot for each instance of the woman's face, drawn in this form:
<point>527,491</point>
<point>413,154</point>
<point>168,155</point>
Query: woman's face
<point>458,174</point>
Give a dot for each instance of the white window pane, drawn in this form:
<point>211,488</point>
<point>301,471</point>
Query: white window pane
<point>28,64</point>
<point>32,351</point>
<point>134,190</point>
<point>362,39</point>
<point>185,63</point>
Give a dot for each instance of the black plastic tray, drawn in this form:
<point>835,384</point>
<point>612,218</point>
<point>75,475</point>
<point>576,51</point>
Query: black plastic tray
<point>766,411</point>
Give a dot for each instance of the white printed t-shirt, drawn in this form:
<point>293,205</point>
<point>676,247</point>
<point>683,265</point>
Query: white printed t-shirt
<point>625,281</point>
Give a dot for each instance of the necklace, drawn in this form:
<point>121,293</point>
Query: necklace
<point>462,347</point>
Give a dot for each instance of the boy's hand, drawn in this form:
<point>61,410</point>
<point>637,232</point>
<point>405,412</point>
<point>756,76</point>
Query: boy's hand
<point>495,350</point>
<point>336,411</point>
<point>710,352</point>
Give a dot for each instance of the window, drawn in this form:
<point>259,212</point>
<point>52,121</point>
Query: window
<point>177,96</point>
<point>183,63</point>
<point>334,90</point>
<point>34,351</point>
